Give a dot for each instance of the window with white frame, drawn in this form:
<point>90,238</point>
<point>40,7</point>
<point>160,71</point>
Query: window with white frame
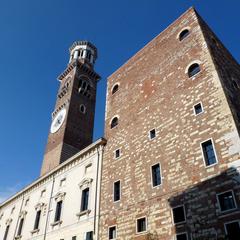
<point>152,134</point>
<point>85,198</point>
<point>117,153</point>
<point>182,236</point>
<point>156,175</point>
<point>112,232</point>
<point>226,201</point>
<point>178,214</point>
<point>232,230</point>
<point>6,232</point>
<point>58,211</point>
<point>89,235</point>
<point>198,108</point>
<point>37,220</point>
<point>209,153</point>
<point>141,225</point>
<point>116,191</point>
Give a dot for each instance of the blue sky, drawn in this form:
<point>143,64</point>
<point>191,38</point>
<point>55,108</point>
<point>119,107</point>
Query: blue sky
<point>34,41</point>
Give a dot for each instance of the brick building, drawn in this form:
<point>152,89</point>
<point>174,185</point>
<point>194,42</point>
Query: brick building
<point>171,163</point>
<point>170,167</point>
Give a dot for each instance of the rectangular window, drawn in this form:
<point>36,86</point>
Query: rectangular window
<point>117,191</point>
<point>209,153</point>
<point>112,233</point>
<point>63,182</point>
<point>141,225</point>
<point>152,134</point>
<point>226,201</point>
<point>156,175</point>
<point>74,238</point>
<point>19,232</point>
<point>117,153</point>
<point>198,108</point>
<point>58,211</point>
<point>89,235</point>
<point>37,220</point>
<point>43,192</point>
<point>85,196</point>
<point>6,233</point>
<point>181,236</point>
<point>232,230</point>
<point>178,214</point>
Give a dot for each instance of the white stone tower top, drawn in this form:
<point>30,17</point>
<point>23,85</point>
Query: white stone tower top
<point>83,51</point>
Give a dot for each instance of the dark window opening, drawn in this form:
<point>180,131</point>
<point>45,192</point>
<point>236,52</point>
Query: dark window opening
<point>141,225</point>
<point>114,122</point>
<point>89,235</point>
<point>112,233</point>
<point>152,134</point>
<point>74,238</point>
<point>178,214</point>
<point>116,191</point>
<point>208,152</point>
<point>117,153</point>
<point>58,211</point>
<point>6,233</point>
<point>115,89</point>
<point>198,108</point>
<point>193,69</point>
<point>19,233</point>
<point>156,175</point>
<point>85,196</point>
<point>181,236</point>
<point>232,230</point>
<point>226,201</point>
<point>82,108</point>
<point>184,34</point>
<point>37,220</point>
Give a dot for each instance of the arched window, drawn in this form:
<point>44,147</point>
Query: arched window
<point>82,108</point>
<point>115,88</point>
<point>114,122</point>
<point>183,34</point>
<point>193,69</point>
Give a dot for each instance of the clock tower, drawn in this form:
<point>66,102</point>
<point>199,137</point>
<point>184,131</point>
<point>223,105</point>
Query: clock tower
<point>73,117</point>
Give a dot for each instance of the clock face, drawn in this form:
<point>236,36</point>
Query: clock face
<point>58,121</point>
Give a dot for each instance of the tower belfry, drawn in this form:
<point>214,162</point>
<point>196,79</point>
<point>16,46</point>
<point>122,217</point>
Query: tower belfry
<point>73,117</point>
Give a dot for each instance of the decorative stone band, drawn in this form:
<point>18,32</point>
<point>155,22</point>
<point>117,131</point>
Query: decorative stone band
<point>60,196</point>
<point>86,182</point>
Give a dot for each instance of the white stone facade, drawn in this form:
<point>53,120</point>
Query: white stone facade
<point>65,183</point>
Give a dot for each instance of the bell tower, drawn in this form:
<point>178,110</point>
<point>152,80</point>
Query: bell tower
<point>73,117</point>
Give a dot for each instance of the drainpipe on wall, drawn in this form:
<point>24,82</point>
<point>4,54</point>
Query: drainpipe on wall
<point>97,197</point>
<point>48,211</point>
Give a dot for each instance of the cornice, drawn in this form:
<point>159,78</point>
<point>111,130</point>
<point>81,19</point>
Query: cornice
<point>82,66</point>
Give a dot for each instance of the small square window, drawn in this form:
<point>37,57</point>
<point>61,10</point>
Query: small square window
<point>152,134</point>
<point>63,182</point>
<point>181,236</point>
<point>88,168</point>
<point>226,201</point>
<point>232,230</point>
<point>112,233</point>
<point>209,153</point>
<point>178,214</point>
<point>43,192</point>
<point>117,153</point>
<point>198,108</point>
<point>74,238</point>
<point>27,201</point>
<point>141,225</point>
